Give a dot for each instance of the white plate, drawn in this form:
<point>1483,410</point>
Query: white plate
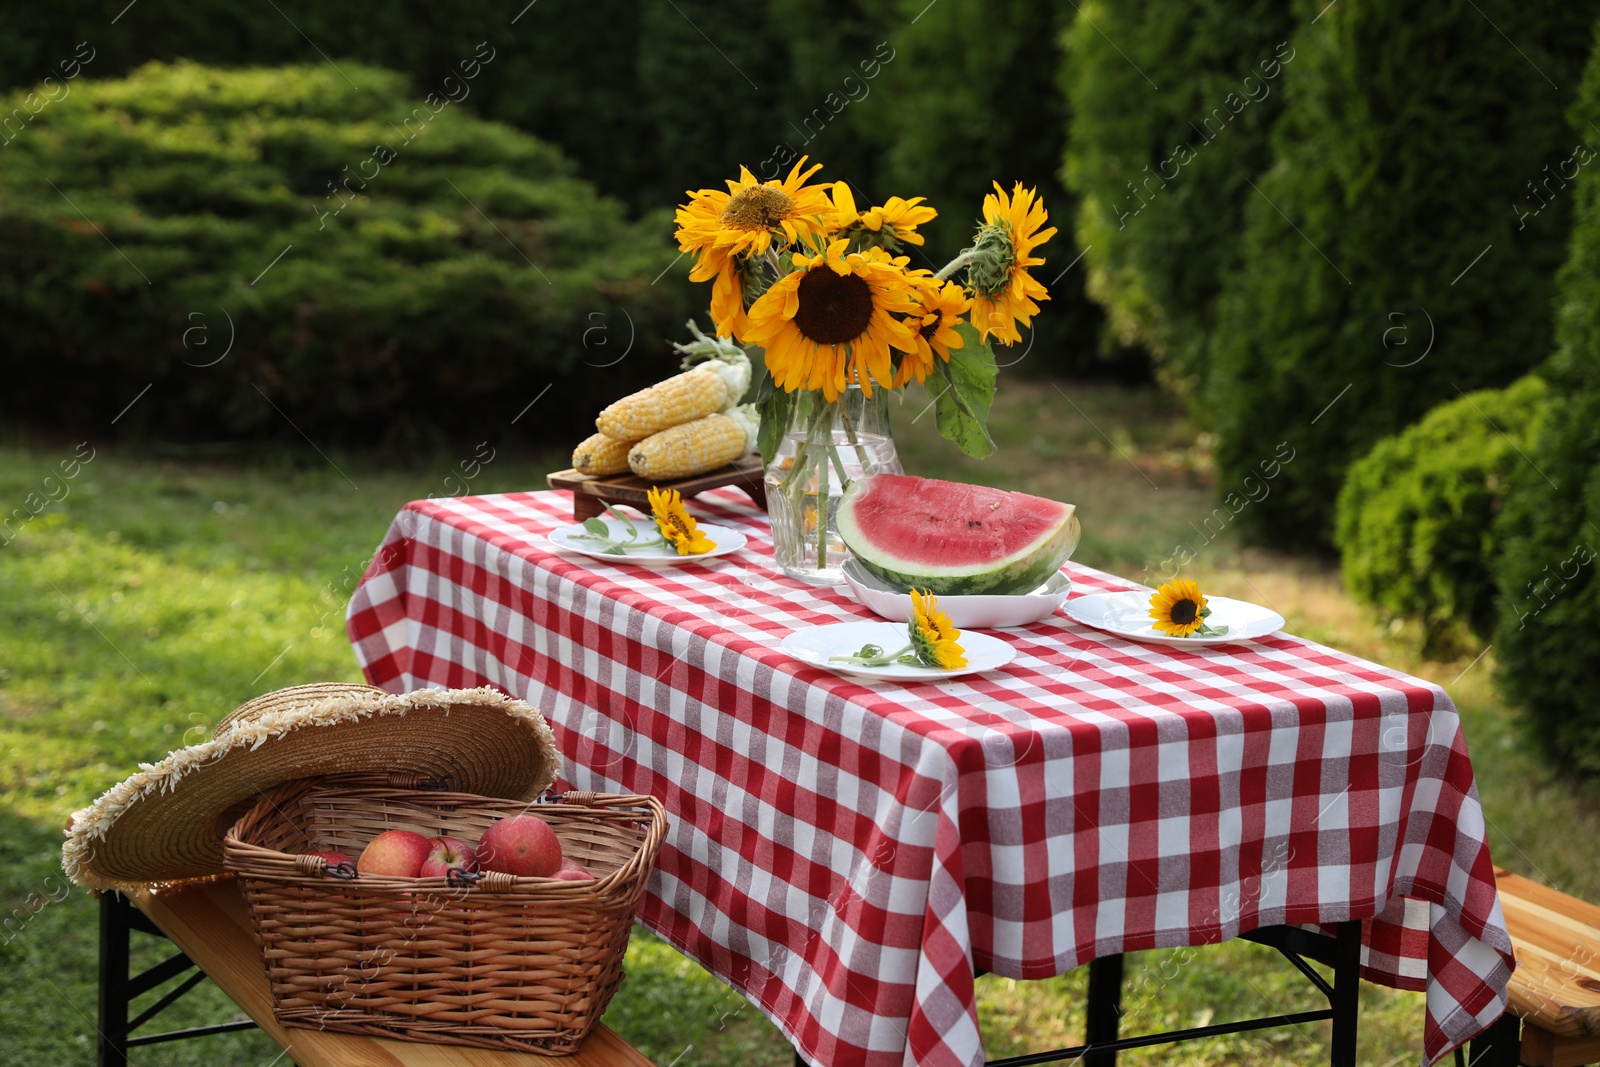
<point>966,612</point>
<point>726,539</point>
<point>1128,615</point>
<point>816,644</point>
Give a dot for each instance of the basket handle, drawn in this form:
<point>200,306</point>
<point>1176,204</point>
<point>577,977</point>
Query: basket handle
<point>317,865</point>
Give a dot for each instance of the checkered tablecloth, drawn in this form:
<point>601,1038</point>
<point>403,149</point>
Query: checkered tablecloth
<point>845,853</point>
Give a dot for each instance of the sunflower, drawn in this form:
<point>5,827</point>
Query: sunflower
<point>727,230</point>
<point>747,218</point>
<point>1003,290</point>
<point>940,308</point>
<point>897,220</point>
<point>834,319</point>
<point>933,636</point>
<point>1178,608</point>
<point>844,215</point>
<point>676,524</point>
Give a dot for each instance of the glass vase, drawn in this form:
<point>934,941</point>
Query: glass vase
<point>827,446</point>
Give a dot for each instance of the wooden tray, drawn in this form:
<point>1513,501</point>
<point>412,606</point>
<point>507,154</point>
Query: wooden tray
<point>590,494</point>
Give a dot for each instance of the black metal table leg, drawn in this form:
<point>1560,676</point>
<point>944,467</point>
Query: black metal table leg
<point>113,983</point>
<point>1346,998</point>
<point>1104,1009</point>
<point>117,988</point>
<point>1500,1045</point>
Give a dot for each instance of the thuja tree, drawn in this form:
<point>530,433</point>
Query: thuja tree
<point>972,95</point>
<point>1394,255</point>
<point>1550,526</point>
<point>1172,109</point>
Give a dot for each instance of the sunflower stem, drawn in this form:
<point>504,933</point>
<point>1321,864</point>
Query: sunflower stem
<point>956,264</point>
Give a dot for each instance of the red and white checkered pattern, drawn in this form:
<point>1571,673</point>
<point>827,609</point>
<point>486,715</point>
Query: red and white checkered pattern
<point>846,853</point>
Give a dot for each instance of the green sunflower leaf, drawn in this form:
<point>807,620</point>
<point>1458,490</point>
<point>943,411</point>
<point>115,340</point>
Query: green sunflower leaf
<point>961,402</point>
<point>775,409</point>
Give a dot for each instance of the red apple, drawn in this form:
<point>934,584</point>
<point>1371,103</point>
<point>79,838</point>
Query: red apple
<point>394,852</point>
<point>445,853</point>
<point>335,858</point>
<point>523,845</point>
<point>572,871</point>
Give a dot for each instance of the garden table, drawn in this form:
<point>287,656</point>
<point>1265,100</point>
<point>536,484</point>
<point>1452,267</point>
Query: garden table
<point>847,853</point>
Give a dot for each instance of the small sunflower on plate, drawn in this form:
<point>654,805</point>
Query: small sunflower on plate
<point>933,635</point>
<point>1178,609</point>
<point>677,526</point>
<point>934,641</point>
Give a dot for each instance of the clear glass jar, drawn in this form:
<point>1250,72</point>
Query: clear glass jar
<point>827,446</point>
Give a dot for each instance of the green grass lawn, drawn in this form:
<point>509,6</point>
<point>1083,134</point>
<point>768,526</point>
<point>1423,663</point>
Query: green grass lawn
<point>161,592</point>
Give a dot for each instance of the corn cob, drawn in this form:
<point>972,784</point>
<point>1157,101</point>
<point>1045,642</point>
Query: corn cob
<point>696,447</point>
<point>601,455</point>
<point>713,385</point>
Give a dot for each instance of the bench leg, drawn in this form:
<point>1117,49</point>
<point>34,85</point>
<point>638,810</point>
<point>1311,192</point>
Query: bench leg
<point>113,994</point>
<point>1498,1046</point>
<point>1346,999</point>
<point>1104,1010</point>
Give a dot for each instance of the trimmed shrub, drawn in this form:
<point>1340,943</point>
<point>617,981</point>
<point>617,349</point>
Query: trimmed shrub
<point>1398,209</point>
<point>1163,172</point>
<point>567,73</point>
<point>264,248</point>
<point>1416,515</point>
<point>1550,526</point>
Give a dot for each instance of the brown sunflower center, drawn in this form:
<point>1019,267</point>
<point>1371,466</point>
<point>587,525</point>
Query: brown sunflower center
<point>1184,612</point>
<point>760,207</point>
<point>931,327</point>
<point>833,308</point>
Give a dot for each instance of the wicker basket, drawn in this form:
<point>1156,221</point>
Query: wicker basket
<point>504,962</point>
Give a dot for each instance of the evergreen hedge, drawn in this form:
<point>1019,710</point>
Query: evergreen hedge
<point>1169,124</point>
<point>974,95</point>
<point>1550,526</point>
<point>1416,515</point>
<point>1398,210</point>
<point>383,263</point>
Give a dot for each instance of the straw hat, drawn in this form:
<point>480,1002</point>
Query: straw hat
<point>166,823</point>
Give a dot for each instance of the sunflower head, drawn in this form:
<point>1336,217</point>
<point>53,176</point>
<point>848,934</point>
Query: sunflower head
<point>834,319</point>
<point>676,524</point>
<point>896,222</point>
<point>1003,290</point>
<point>940,308</point>
<point>751,217</point>
<point>1178,608</point>
<point>933,637</point>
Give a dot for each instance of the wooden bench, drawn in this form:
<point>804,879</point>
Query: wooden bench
<point>1555,990</point>
<point>211,927</point>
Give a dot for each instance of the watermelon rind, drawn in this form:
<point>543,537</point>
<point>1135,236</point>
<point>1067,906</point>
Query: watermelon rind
<point>1021,572</point>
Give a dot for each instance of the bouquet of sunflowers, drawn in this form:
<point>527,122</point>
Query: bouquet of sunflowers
<point>828,292</point>
<point>823,287</point>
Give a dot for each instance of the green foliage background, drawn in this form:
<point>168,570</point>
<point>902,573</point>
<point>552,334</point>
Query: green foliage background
<point>1416,519</point>
<point>456,269</point>
<point>1172,108</point>
<point>1408,133</point>
<point>1550,527</point>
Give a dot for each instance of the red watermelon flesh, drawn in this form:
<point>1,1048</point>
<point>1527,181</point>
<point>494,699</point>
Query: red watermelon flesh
<point>955,539</point>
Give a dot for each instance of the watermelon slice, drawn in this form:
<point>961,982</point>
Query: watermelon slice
<point>954,539</point>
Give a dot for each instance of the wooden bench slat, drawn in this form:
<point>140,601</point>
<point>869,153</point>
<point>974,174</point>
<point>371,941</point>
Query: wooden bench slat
<point>1556,986</point>
<point>211,924</point>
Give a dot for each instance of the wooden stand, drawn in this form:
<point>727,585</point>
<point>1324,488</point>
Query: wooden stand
<point>590,494</point>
